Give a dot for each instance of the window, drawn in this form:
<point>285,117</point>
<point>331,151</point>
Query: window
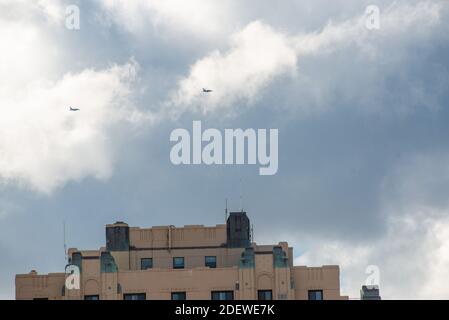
<point>315,294</point>
<point>210,261</point>
<point>222,295</point>
<point>92,297</point>
<point>178,263</point>
<point>178,296</point>
<point>265,295</point>
<point>146,263</point>
<point>134,296</point>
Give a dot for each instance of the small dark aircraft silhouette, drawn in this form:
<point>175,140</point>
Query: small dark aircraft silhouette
<point>74,109</point>
<point>207,90</point>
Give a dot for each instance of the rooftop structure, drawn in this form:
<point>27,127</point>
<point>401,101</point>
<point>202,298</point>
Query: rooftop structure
<point>190,262</point>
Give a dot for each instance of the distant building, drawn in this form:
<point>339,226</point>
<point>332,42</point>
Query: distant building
<point>370,293</point>
<point>192,262</point>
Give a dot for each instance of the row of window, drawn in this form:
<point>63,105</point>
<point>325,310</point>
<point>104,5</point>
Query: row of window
<point>215,295</point>
<point>178,262</point>
<point>224,295</point>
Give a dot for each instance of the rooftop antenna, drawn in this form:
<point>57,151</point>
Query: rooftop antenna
<point>226,210</point>
<point>241,195</point>
<point>65,244</point>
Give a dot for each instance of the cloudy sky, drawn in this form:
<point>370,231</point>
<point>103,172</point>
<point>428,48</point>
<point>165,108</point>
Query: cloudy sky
<point>362,116</point>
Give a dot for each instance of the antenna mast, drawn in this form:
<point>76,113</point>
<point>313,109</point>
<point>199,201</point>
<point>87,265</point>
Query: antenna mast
<point>241,195</point>
<point>65,244</point>
<point>226,210</point>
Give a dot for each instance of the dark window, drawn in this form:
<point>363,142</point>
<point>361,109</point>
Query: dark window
<point>210,261</point>
<point>265,295</point>
<point>178,263</point>
<point>178,296</point>
<point>146,263</point>
<point>315,294</point>
<point>134,296</point>
<point>92,297</point>
<point>222,295</point>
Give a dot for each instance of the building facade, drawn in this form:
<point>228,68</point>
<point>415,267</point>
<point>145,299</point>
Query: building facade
<point>191,262</point>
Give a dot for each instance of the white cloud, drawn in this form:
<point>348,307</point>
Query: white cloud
<point>259,54</point>
<point>196,18</point>
<point>52,10</point>
<point>25,60</point>
<point>413,257</point>
<point>413,252</point>
<point>398,19</point>
<point>42,144</point>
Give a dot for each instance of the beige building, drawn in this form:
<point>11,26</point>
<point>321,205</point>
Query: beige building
<point>192,262</point>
